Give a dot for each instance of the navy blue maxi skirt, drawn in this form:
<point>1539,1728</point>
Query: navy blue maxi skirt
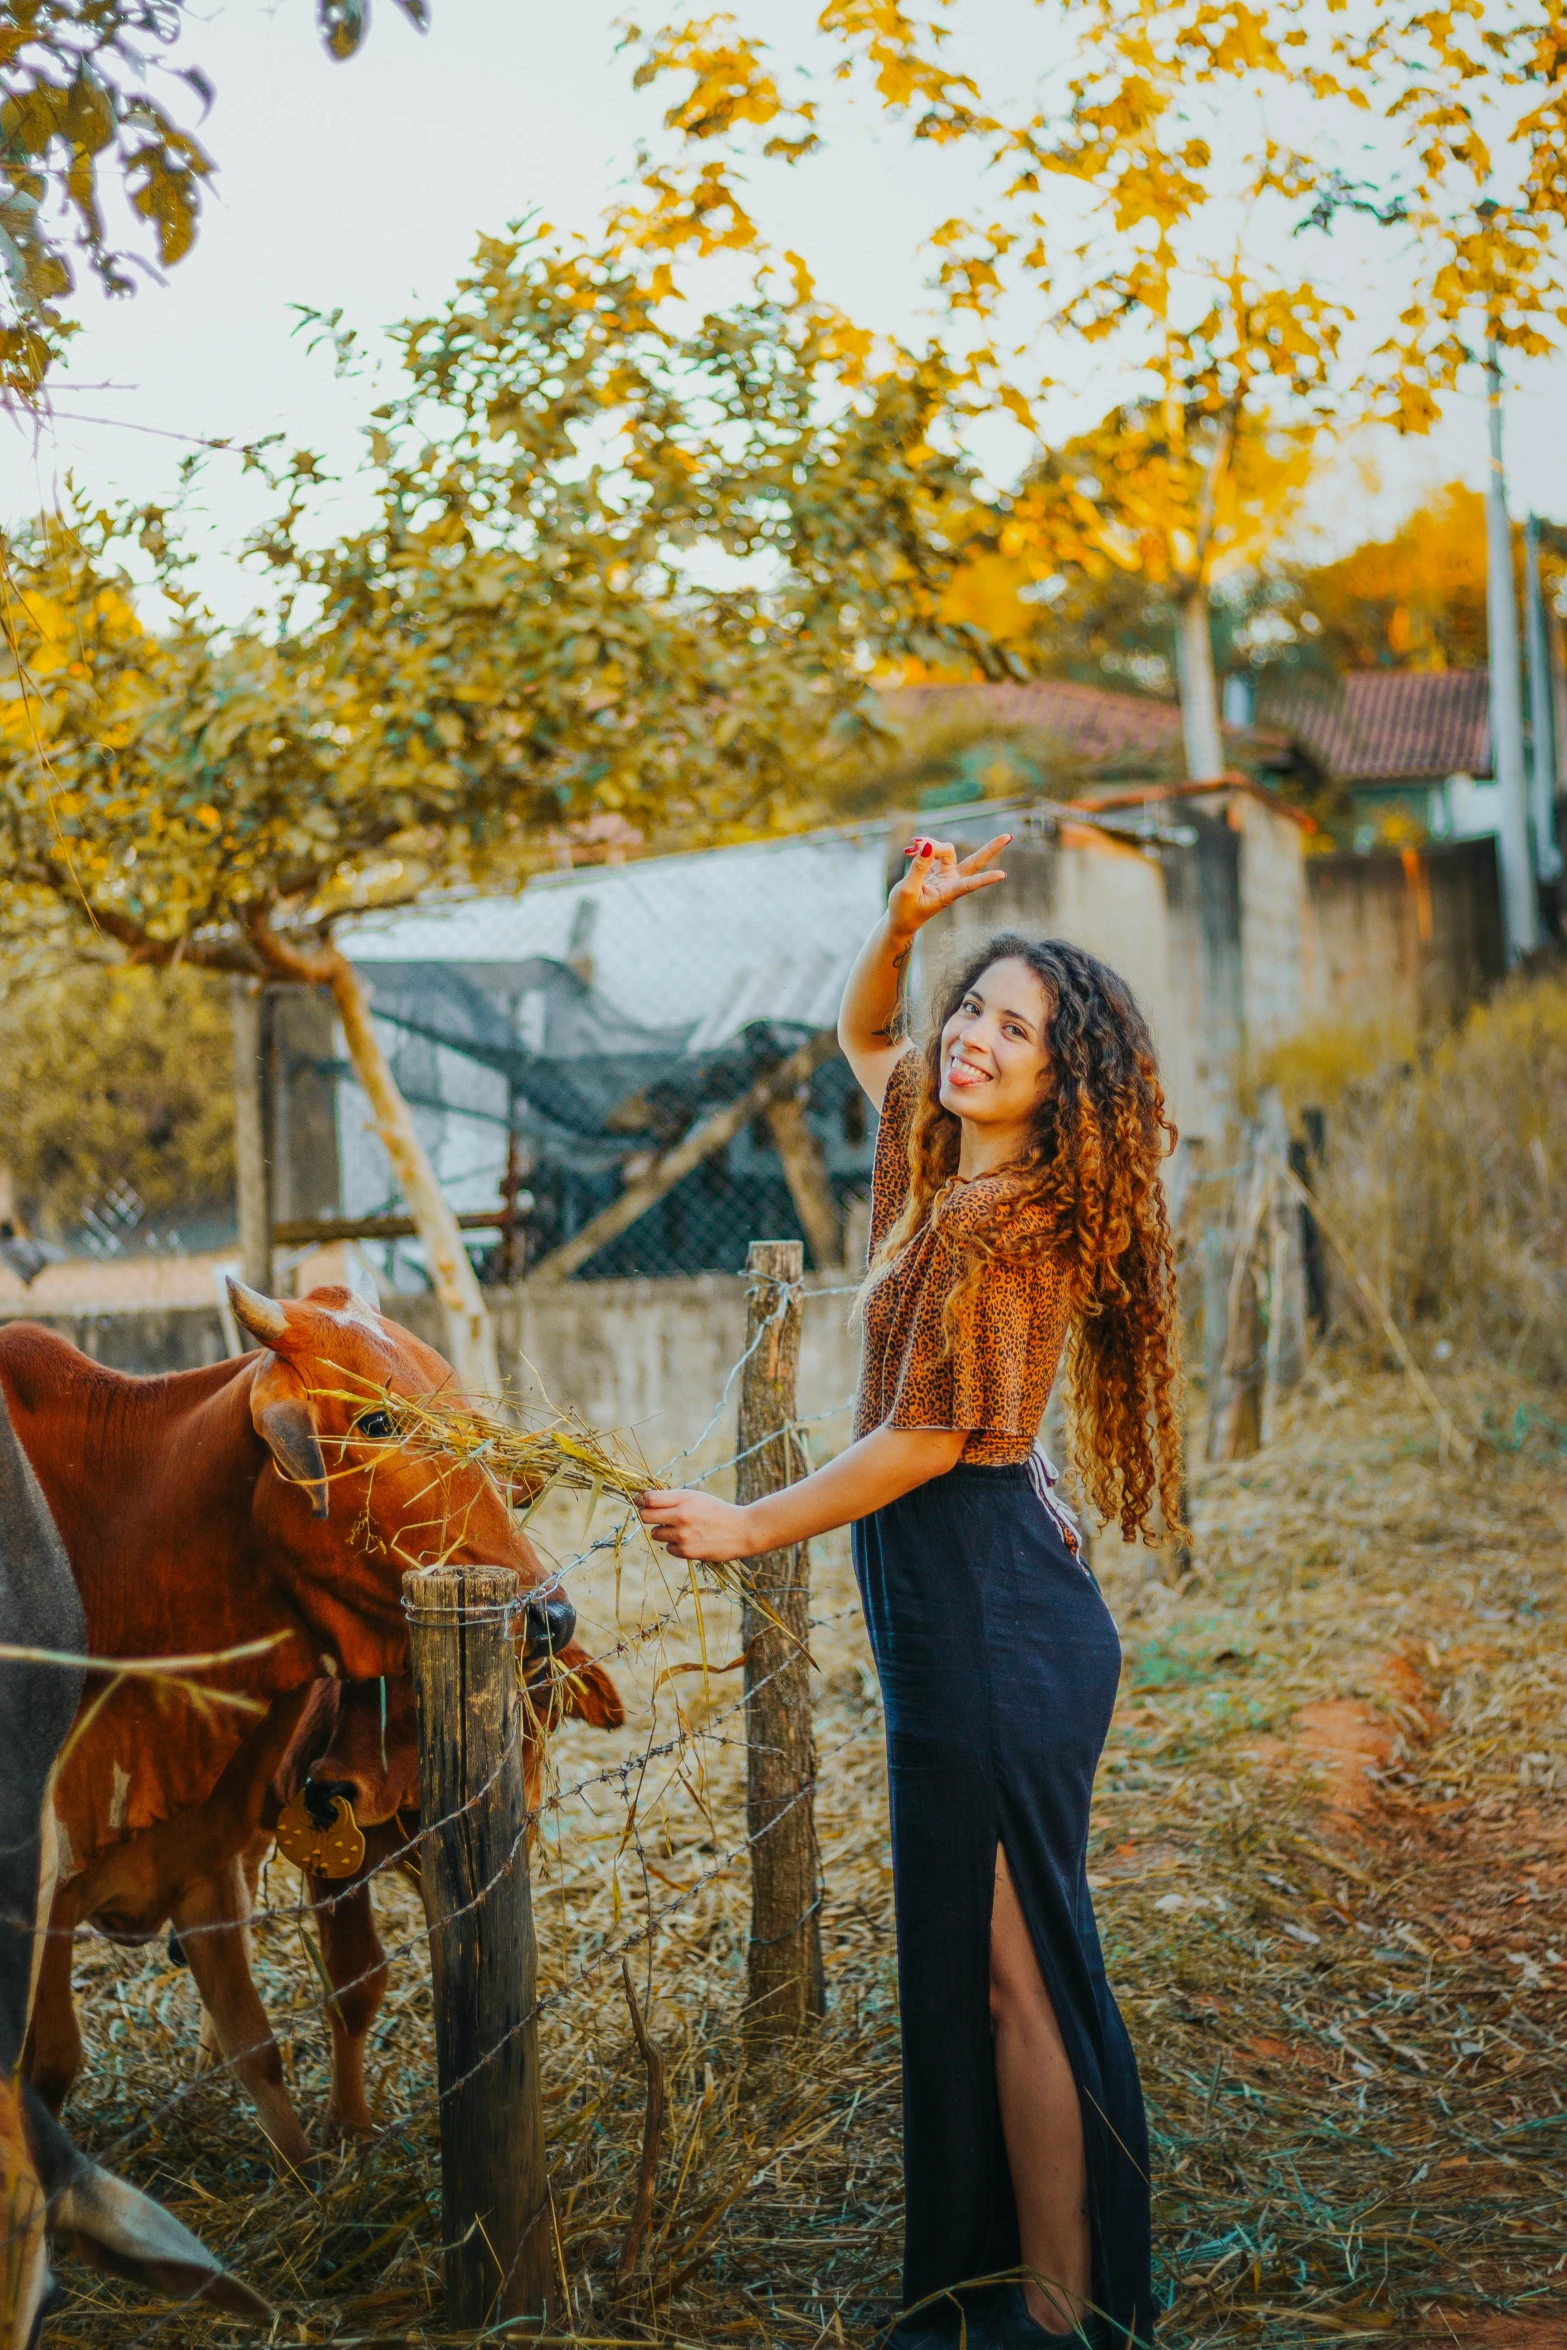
<point>998,1662</point>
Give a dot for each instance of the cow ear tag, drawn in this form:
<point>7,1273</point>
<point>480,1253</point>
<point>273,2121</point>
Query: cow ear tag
<point>336,1851</point>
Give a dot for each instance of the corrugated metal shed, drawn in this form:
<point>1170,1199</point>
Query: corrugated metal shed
<point>710,942</point>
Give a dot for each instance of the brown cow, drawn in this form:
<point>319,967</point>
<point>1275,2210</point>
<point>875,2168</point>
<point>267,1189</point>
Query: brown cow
<point>357,1742</point>
<point>50,2189</point>
<point>253,1501</point>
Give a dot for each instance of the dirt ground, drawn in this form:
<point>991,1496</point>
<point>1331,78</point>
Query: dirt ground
<point>1330,1860</point>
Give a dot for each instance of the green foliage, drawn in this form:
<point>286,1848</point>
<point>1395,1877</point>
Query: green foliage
<point>117,1076</point>
<point>75,109</point>
<point>1165,118</point>
<point>615,571</point>
<point>344,23</point>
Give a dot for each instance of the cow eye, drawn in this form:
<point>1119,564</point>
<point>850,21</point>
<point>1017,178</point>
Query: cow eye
<point>376,1425</point>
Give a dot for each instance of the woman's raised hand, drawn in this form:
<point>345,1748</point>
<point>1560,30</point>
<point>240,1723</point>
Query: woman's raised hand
<point>937,877</point>
<point>869,1028</point>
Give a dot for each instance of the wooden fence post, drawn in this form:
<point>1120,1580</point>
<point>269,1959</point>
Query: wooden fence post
<point>496,2225</point>
<point>785,1985</point>
<point>1235,1408</point>
<point>1286,1356</point>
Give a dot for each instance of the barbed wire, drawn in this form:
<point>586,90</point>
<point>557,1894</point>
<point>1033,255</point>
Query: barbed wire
<point>176,1669</point>
<point>629,1774</point>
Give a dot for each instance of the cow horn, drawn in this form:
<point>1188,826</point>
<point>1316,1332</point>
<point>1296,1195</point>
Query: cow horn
<point>262,1316</point>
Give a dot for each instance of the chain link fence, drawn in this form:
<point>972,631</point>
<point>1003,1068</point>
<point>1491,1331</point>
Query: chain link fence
<point>655,1038</point>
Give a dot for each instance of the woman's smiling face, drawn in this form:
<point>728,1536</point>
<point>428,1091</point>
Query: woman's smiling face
<point>995,1057</point>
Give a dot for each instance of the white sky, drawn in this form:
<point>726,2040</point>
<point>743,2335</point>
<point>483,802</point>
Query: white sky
<point>364,185</point>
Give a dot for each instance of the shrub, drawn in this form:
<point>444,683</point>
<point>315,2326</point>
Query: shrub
<point>117,1076</point>
<point>1447,1175</point>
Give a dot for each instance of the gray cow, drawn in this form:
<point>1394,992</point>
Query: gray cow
<point>48,2187</point>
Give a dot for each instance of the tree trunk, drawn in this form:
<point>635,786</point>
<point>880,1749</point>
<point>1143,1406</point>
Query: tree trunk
<point>252,1173</point>
<point>805,1172</point>
<point>1199,689</point>
<point>470,1334</point>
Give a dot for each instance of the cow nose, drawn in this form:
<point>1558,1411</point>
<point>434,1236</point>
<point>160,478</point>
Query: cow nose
<point>321,1797</point>
<point>549,1624</point>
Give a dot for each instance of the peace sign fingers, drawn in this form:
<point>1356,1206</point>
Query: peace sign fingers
<point>980,857</point>
<point>937,877</point>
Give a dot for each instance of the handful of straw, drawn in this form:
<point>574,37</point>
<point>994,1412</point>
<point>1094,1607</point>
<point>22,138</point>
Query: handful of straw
<point>525,1463</point>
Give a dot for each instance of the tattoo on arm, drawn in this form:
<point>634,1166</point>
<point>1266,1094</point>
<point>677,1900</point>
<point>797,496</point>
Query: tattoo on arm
<point>899,960</point>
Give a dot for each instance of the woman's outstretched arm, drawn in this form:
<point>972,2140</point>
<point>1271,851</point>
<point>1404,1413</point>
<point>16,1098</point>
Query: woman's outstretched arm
<point>868,1015</point>
<point>876,1470</point>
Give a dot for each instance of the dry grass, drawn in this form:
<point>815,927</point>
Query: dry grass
<point>1344,1989</point>
<point>1447,1172</point>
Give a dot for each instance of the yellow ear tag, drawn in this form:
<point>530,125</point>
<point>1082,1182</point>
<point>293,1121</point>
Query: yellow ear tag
<point>336,1851</point>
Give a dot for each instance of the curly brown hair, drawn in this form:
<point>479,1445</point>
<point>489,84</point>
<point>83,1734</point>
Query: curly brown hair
<point>1091,1176</point>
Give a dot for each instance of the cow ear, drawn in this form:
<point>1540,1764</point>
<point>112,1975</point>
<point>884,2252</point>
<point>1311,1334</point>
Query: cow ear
<point>588,1693</point>
<point>280,1414</point>
<point>114,2226</point>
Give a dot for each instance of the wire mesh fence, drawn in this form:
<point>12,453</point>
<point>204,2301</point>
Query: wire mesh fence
<point>637,1854</point>
<point>1349,2037</point>
<point>661,1030</point>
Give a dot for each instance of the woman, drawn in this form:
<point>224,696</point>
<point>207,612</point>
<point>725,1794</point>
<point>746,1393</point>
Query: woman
<point>1017,1210</point>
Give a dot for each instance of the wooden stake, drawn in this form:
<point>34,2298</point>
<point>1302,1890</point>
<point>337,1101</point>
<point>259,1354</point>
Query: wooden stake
<point>499,2258</point>
<point>785,1984</point>
<point>805,1172</point>
<point>1235,1423</point>
<point>652,2133</point>
<point>708,1135</point>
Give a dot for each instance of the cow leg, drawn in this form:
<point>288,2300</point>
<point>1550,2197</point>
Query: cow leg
<point>54,2042</point>
<point>209,2048</point>
<point>210,1921</point>
<point>357,1970</point>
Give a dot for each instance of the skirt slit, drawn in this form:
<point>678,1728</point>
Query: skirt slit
<point>998,1664</point>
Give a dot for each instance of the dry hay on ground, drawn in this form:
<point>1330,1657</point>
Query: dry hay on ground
<point>1331,1854</point>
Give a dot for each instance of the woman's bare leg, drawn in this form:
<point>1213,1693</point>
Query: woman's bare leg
<point>1040,2119</point>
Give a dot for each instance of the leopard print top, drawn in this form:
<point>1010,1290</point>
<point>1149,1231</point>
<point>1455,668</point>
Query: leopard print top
<point>995,1378</point>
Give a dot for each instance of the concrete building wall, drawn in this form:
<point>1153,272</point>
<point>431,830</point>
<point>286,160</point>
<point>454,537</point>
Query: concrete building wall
<point>648,1359</point>
<point>1202,878</point>
<point>1231,857</point>
<point>146,1340</point>
<point>1273,904</point>
<point>1401,936</point>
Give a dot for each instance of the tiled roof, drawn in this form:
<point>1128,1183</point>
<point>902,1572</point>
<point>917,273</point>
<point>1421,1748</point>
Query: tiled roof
<point>1093,726</point>
<point>1089,727</point>
<point>1102,801</point>
<point>1377,725</point>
